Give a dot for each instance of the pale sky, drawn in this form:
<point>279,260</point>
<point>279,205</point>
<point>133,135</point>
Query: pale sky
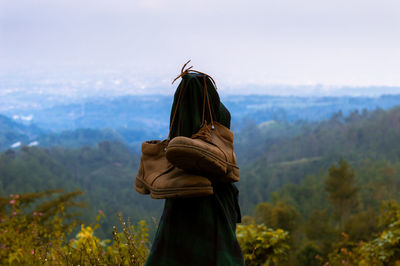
<point>334,42</point>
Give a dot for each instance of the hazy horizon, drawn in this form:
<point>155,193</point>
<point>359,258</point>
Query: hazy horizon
<point>120,83</point>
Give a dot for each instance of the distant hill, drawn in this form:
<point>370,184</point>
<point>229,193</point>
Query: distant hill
<point>133,119</point>
<point>141,113</point>
<point>12,133</point>
<point>149,115</point>
<point>79,137</point>
<point>295,109</point>
<point>15,135</point>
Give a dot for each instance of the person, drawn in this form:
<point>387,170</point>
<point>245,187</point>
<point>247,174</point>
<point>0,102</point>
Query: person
<point>201,230</point>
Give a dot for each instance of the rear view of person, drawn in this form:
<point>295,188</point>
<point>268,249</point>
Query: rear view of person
<point>196,229</point>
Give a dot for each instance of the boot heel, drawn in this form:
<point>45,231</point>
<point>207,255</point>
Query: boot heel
<point>141,188</point>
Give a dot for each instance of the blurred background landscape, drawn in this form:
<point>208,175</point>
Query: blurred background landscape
<point>313,90</point>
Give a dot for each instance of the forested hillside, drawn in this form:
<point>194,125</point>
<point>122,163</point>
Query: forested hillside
<point>269,162</point>
<point>105,173</point>
<point>332,185</point>
<point>271,156</point>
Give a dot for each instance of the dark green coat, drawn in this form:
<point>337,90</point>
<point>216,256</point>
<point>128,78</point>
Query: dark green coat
<point>198,231</point>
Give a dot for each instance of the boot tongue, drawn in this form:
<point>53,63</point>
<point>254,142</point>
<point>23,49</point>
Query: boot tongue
<point>204,133</point>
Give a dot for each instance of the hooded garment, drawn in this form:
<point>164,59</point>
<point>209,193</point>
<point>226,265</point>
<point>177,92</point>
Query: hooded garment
<point>198,231</point>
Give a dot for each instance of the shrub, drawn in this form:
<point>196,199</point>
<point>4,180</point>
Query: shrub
<point>261,245</point>
<point>33,235</point>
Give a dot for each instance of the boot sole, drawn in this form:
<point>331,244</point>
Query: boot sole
<point>185,192</point>
<point>193,158</point>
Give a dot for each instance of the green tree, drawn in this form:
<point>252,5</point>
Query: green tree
<point>277,215</point>
<point>342,192</point>
<point>318,228</point>
<point>360,226</point>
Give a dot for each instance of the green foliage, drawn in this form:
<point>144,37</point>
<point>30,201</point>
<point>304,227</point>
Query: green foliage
<point>132,243</point>
<point>319,229</point>
<point>361,227</point>
<point>319,225</point>
<point>351,228</point>
<point>344,252</point>
<point>38,234</point>
<point>382,250</point>
<point>341,191</point>
<point>309,256</point>
<point>307,196</point>
<point>277,215</point>
<point>262,245</point>
<point>28,234</point>
<point>385,249</point>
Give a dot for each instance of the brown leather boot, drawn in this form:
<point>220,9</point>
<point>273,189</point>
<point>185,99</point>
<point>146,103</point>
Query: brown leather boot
<point>209,152</point>
<point>160,179</point>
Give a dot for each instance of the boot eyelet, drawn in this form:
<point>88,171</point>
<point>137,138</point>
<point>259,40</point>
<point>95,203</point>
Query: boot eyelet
<point>212,127</point>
